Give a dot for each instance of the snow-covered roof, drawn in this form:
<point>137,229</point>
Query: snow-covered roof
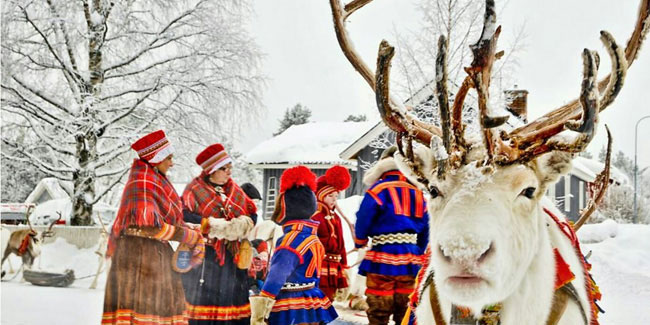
<point>311,143</point>
<point>45,212</point>
<point>581,171</point>
<point>54,187</point>
<point>596,167</point>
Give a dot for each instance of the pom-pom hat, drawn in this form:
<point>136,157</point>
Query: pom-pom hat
<point>213,158</point>
<point>297,200</point>
<point>336,179</point>
<point>153,147</point>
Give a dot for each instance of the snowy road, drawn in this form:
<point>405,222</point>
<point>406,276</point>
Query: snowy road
<point>621,267</point>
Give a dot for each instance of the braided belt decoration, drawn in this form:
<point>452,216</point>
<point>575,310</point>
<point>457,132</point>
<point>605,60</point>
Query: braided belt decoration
<point>298,286</point>
<point>333,257</point>
<point>394,239</point>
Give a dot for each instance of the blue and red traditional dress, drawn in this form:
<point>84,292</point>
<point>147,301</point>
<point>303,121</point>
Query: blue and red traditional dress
<point>393,216</point>
<point>293,277</point>
<point>217,290</point>
<point>141,287</point>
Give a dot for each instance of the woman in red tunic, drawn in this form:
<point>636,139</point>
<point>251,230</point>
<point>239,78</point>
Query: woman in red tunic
<point>330,232</point>
<point>141,287</point>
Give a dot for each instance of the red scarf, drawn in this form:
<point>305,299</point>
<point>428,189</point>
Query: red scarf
<point>149,199</point>
<point>203,199</point>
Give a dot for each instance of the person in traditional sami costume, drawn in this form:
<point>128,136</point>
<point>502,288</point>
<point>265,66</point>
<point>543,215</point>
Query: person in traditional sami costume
<point>333,277</point>
<point>290,294</point>
<point>141,287</point>
<point>393,214</point>
<point>217,290</point>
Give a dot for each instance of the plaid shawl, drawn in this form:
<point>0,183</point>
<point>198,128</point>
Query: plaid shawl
<point>149,199</point>
<point>203,199</point>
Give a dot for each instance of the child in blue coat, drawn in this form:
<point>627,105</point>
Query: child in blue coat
<point>290,294</point>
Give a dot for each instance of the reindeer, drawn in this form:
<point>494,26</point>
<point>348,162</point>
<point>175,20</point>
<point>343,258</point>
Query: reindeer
<point>26,243</point>
<point>495,238</point>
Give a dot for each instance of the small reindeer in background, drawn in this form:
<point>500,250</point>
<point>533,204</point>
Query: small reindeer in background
<point>26,243</point>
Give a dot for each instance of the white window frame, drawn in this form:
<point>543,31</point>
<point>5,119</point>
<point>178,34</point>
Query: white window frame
<point>567,193</point>
<point>581,194</point>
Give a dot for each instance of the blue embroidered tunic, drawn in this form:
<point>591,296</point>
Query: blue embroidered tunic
<point>293,277</point>
<point>394,213</point>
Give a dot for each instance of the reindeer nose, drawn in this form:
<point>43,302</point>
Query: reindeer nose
<point>465,249</point>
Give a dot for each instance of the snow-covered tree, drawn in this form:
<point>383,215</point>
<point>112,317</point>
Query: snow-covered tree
<point>88,77</point>
<point>294,116</point>
<point>460,21</point>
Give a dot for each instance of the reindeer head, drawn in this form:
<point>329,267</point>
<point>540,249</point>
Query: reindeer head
<point>486,192</point>
<point>36,237</point>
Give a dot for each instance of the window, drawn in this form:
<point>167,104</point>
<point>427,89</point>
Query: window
<point>567,193</point>
<point>271,194</point>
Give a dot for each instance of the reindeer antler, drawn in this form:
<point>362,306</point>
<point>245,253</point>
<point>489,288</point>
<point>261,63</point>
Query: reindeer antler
<point>49,232</point>
<point>393,115</point>
<point>28,213</point>
<point>534,139</point>
<point>518,146</point>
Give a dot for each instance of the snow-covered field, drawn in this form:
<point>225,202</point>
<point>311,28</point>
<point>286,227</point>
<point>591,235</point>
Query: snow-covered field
<point>620,258</point>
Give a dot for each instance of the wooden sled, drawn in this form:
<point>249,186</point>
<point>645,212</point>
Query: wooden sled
<point>48,279</point>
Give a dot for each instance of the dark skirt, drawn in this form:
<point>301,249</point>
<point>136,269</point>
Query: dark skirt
<point>141,287</point>
<point>223,297</point>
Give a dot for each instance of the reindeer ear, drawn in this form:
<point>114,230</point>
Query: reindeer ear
<point>549,167</point>
<point>424,161</point>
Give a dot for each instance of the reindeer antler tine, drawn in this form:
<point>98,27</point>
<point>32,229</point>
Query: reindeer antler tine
<point>601,182</point>
<point>353,6</point>
<point>442,92</point>
<point>28,213</point>
<point>619,69</point>
<point>384,57</point>
<point>588,97</point>
<point>397,120</point>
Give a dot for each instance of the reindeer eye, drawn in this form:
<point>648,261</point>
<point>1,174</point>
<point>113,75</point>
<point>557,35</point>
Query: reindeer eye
<point>528,192</point>
<point>434,191</point>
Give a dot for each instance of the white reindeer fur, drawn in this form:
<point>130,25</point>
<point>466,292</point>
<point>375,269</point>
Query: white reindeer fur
<point>479,207</point>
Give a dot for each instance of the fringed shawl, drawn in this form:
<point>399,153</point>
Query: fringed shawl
<point>204,199</point>
<point>149,199</point>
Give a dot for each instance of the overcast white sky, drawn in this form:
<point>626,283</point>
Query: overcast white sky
<point>304,63</point>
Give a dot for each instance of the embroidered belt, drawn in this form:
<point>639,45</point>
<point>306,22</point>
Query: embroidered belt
<point>298,286</point>
<point>394,239</point>
<point>333,257</point>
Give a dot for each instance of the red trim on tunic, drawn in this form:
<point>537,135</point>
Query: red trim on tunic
<point>128,316</point>
<point>218,313</point>
<point>377,292</point>
<point>393,259</point>
<point>301,303</point>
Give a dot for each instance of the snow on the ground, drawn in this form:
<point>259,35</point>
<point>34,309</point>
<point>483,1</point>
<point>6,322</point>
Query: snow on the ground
<point>24,303</point>
<point>621,267</point>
